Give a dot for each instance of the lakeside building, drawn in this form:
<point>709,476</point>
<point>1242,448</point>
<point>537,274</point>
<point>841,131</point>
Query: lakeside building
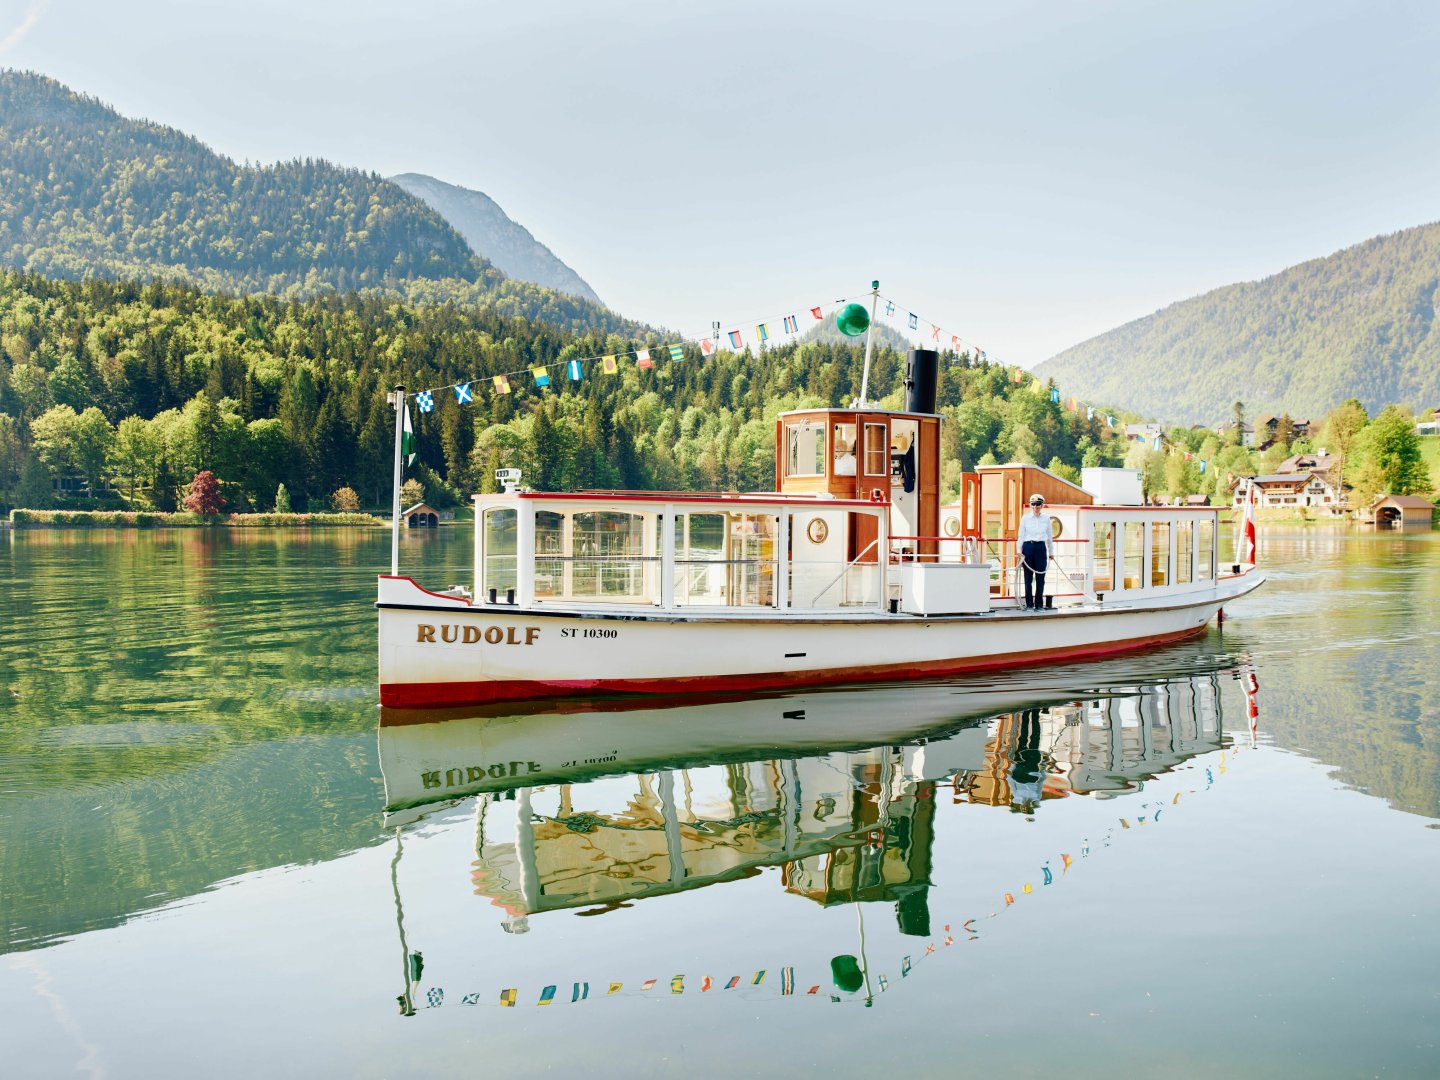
<point>1226,431</point>
<point>1290,491</point>
<point>1402,511</point>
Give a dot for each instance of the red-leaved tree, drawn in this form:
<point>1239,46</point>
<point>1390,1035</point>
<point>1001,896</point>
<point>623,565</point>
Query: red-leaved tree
<point>204,496</point>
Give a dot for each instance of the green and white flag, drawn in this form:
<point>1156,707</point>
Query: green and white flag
<point>407,439</point>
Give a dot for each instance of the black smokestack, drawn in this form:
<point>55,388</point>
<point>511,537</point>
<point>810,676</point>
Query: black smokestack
<point>922,374</point>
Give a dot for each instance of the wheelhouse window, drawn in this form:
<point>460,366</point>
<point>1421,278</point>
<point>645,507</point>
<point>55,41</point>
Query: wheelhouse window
<point>1103,546</point>
<point>725,559</point>
<point>1134,555</point>
<point>1184,551</point>
<point>1159,553</point>
<point>498,540</point>
<point>843,443</point>
<point>805,448</point>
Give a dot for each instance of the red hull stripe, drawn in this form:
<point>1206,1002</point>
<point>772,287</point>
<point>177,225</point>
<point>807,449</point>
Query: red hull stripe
<point>442,695</point>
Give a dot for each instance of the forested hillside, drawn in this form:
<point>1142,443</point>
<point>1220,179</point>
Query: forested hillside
<point>113,391</point>
<point>87,193</point>
<point>492,235</point>
<point>1358,324</point>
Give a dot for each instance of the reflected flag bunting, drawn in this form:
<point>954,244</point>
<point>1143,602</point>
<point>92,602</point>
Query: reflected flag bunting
<point>913,322</point>
<point>609,365</point>
<point>542,377</point>
<point>1141,439</point>
<point>507,997</point>
<point>889,309</point>
<point>816,312</point>
<point>642,359</point>
<point>759,978</point>
<point>1089,412</point>
<point>982,355</point>
<point>954,343</point>
<point>1074,405</point>
<point>572,368</point>
<point>502,384</point>
<point>1019,375</point>
<point>1109,420</point>
<point>1055,395</point>
<point>934,331</point>
<point>792,324</point>
<point>762,332</point>
<point>581,991</point>
<point>614,988</point>
<point>546,996</point>
<point>677,353</point>
<point>705,984</point>
<point>677,984</point>
<point>648,984</point>
<point>425,401</point>
<point>734,982</point>
<point>787,981</point>
<point>707,347</point>
<point>463,395</point>
<point>736,341</point>
<point>1202,465</point>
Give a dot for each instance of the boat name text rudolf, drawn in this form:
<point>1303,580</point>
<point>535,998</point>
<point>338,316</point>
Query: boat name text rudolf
<point>473,635</point>
<point>474,774</point>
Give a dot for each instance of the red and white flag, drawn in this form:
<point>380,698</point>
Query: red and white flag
<point>1245,550</point>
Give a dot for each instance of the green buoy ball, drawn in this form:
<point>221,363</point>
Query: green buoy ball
<point>853,320</point>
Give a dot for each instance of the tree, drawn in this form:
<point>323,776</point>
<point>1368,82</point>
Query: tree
<point>1342,428</point>
<point>411,492</point>
<point>1239,409</point>
<point>1391,452</point>
<point>204,496</point>
<point>162,492</point>
<point>345,501</point>
<point>135,452</point>
<point>282,500</point>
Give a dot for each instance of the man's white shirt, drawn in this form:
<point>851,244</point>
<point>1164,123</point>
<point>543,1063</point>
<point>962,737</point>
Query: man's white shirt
<point>1037,527</point>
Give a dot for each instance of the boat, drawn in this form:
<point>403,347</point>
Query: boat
<point>853,570</point>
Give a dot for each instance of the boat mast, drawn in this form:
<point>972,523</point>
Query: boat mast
<point>398,397</point>
<point>869,342</point>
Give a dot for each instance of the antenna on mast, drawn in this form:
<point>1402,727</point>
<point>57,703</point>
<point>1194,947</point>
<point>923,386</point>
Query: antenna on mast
<point>869,344</point>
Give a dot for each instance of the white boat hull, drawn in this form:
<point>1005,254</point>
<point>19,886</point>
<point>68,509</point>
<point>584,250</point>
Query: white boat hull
<point>439,651</point>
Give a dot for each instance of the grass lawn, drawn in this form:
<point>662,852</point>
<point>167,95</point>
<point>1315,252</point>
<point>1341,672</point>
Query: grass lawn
<point>1430,451</point>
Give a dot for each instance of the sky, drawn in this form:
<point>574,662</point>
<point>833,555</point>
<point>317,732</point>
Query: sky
<point>1026,173</point>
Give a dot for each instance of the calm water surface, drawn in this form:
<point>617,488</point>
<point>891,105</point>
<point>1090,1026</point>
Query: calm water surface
<point>218,857</point>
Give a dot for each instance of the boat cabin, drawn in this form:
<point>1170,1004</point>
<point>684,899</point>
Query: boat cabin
<point>855,525</point>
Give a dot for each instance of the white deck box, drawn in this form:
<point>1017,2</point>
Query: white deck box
<point>943,588</point>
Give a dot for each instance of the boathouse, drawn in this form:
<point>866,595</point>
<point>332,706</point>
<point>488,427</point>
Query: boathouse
<point>421,516</point>
<point>1402,511</point>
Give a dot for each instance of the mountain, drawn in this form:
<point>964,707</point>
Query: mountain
<point>492,235</point>
<point>1359,323</point>
<point>85,192</point>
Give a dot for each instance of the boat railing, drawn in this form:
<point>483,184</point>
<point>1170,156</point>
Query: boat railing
<point>1070,561</point>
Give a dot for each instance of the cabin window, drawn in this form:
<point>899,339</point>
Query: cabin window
<point>549,554</point>
<point>877,453</point>
<point>1205,551</point>
<point>805,448</point>
<point>843,441</point>
<point>1160,553</point>
<point>725,559</point>
<point>1103,574</point>
<point>596,555</point>
<point>1184,551</point>
<point>609,560</point>
<point>1134,554</point>
<point>499,552</point>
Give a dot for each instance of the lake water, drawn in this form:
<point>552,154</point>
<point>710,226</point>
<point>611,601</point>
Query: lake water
<point>218,858</point>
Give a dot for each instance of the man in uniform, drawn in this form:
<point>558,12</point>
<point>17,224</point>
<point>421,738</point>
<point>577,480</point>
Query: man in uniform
<point>1037,546</point>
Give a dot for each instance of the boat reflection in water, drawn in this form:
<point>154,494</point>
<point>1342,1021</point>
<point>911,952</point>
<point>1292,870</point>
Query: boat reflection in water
<point>594,810</point>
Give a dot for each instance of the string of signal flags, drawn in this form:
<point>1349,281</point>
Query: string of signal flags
<point>759,332</point>
<point>747,333</point>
